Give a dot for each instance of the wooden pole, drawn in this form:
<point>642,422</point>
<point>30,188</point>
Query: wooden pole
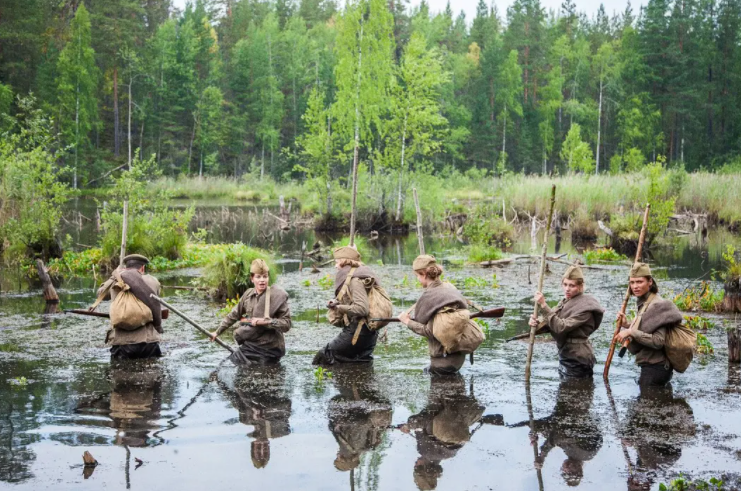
<point>540,281</point>
<point>420,235</point>
<point>626,299</point>
<point>124,228</point>
<point>734,345</point>
<point>50,294</point>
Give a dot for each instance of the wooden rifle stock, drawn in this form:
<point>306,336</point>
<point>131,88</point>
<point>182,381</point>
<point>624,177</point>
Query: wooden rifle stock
<point>626,299</point>
<point>494,313</point>
<point>526,335</point>
<point>105,315</point>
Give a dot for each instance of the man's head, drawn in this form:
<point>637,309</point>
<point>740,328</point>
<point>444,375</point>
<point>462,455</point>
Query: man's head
<point>641,280</point>
<point>135,261</point>
<point>346,256</point>
<point>260,275</point>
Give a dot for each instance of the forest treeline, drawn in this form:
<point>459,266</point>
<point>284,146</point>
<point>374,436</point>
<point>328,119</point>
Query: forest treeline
<point>291,88</point>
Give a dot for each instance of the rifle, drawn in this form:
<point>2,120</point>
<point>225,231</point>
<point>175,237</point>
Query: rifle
<point>494,313</point>
<point>106,315</point>
<point>526,335</point>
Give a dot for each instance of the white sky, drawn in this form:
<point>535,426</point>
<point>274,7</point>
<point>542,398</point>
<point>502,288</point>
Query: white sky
<point>589,7</point>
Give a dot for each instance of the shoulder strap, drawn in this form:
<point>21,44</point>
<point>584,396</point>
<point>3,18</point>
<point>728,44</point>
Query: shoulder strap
<point>345,290</point>
<point>637,321</point>
<point>115,276</point>
<point>266,314</point>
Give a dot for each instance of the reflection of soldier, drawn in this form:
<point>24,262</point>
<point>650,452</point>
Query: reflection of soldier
<point>443,427</point>
<point>259,398</point>
<point>657,425</point>
<point>572,427</point>
<point>358,416</point>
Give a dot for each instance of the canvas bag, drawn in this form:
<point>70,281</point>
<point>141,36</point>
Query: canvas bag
<point>679,345</point>
<point>455,330</point>
<point>379,302</point>
<point>127,312</point>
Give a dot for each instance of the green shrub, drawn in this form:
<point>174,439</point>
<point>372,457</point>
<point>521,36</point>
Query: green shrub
<point>483,226</point>
<point>603,255</point>
<point>227,270</point>
<point>478,253</point>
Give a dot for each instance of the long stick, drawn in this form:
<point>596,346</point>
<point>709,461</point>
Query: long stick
<point>626,299</point>
<point>124,228</point>
<point>420,236</point>
<point>540,282</point>
<point>192,322</point>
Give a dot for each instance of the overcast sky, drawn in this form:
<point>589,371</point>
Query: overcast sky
<point>589,7</point>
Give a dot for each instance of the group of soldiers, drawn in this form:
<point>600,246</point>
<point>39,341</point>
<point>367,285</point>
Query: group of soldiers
<point>360,413</point>
<point>264,317</point>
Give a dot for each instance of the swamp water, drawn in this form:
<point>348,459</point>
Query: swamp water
<point>190,420</point>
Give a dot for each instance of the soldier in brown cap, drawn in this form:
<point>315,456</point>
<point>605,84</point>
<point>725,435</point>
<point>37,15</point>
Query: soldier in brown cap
<point>265,317</point>
<point>142,342</point>
<point>350,310</point>
<point>571,323</point>
<point>438,296</point>
<point>647,332</point>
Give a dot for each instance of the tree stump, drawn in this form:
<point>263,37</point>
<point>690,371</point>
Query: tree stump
<point>89,460</point>
<point>734,345</point>
<point>732,298</point>
<point>50,294</point>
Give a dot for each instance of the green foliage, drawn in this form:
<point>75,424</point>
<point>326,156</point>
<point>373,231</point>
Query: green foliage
<point>31,195</point>
<point>732,266</point>
<point>484,227</point>
<point>704,347</point>
<point>229,305</point>
<point>321,373</point>
<point>227,270</point>
<point>478,253</point>
<point>18,382</point>
<point>697,323</point>
<point>325,282</point>
<point>702,297</point>
<point>576,153</point>
<point>606,254</point>
<point>661,195</point>
<point>683,484</point>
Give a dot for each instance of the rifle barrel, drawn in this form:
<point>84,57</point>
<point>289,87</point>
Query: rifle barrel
<point>494,313</point>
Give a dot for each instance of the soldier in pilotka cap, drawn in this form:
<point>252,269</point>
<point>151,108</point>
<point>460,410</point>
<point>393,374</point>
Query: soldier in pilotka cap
<point>647,332</point>
<point>571,323</point>
<point>265,318</point>
<point>349,310</point>
<point>141,342</point>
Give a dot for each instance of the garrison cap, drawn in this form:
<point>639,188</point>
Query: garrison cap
<point>640,270</point>
<point>135,257</point>
<point>573,273</point>
<point>346,252</point>
<point>423,262</point>
<point>259,266</point>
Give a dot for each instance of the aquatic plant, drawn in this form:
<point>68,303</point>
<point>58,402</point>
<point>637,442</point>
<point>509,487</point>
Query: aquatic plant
<point>701,297</point>
<point>478,253</point>
<point>230,304</point>
<point>321,373</point>
<point>484,227</point>
<point>683,484</point>
<point>325,281</point>
<point>18,382</point>
<point>697,323</point>
<point>732,266</point>
<point>474,282</point>
<point>608,254</point>
<point>704,346</point>
<point>306,282</point>
<point>227,270</point>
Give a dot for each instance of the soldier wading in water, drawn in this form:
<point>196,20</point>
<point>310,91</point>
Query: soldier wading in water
<point>571,323</point>
<point>266,317</point>
<point>647,332</point>
<point>134,342</point>
<point>349,310</point>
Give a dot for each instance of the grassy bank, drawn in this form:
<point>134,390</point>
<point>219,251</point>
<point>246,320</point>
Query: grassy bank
<point>592,197</point>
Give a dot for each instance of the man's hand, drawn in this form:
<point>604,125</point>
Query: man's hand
<point>622,320</point>
<point>404,318</point>
<point>533,321</point>
<point>213,337</point>
<point>622,336</point>
<point>332,304</point>
<point>539,298</point>
<point>259,321</point>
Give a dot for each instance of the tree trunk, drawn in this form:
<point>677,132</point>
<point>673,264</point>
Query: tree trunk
<point>128,123</point>
<point>401,167</point>
<point>420,235</point>
<point>124,231</point>
<point>50,294</point>
<point>357,140</point>
<point>734,345</point>
<point>732,297</point>
<point>192,137</point>
<point>262,161</point>
<point>599,125</point>
<point>116,130</point>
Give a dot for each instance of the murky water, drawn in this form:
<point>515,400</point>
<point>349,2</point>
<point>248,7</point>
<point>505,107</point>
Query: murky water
<point>191,420</point>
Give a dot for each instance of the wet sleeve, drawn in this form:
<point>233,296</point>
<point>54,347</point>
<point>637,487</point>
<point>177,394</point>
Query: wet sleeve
<point>232,316</point>
<point>424,330</point>
<point>282,319</point>
<point>359,306</point>
<point>563,326</point>
<point>654,341</point>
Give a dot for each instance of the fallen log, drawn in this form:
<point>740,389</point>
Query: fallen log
<point>50,294</point>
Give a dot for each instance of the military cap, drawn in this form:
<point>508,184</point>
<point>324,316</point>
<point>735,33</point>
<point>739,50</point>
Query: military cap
<point>346,252</point>
<point>423,262</point>
<point>259,266</point>
<point>136,257</point>
<point>573,273</point>
<point>640,270</point>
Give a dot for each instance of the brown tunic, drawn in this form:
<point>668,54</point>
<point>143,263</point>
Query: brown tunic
<point>251,305</point>
<point>145,334</point>
<point>571,323</point>
<point>647,340</point>
<point>438,290</point>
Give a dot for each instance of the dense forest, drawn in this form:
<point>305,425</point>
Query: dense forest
<point>287,88</point>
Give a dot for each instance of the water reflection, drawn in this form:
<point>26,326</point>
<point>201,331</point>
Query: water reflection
<point>657,426</point>
<point>572,427</point>
<point>443,427</point>
<point>259,396</point>
<point>359,415</point>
